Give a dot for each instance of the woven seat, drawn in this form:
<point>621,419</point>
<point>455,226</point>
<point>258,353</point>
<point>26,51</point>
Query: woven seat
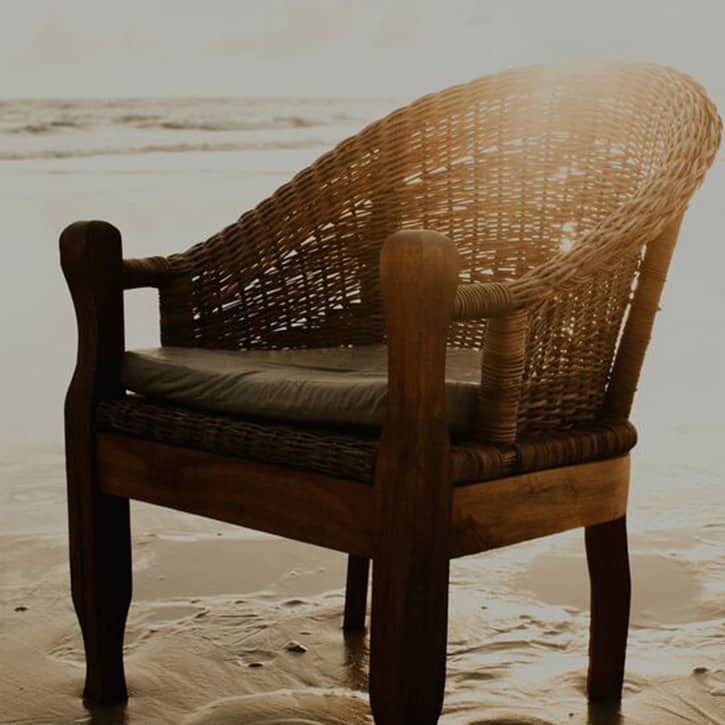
<point>351,455</point>
<point>527,221</point>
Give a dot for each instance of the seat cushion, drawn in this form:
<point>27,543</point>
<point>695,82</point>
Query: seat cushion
<point>330,387</point>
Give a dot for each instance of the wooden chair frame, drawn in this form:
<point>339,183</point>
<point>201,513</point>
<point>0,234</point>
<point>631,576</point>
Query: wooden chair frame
<point>410,523</point>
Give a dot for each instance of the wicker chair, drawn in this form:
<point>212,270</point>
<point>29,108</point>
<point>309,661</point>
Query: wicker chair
<point>551,200</point>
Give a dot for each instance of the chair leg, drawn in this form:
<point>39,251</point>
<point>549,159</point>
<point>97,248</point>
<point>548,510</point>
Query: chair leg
<point>408,643</point>
<point>98,524</point>
<point>608,561</point>
<point>356,593</point>
<point>100,559</point>
<point>413,489</point>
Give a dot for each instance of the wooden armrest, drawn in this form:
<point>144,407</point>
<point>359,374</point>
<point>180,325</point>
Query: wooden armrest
<point>90,256</point>
<point>413,489</point>
<point>147,272</point>
<point>418,272</point>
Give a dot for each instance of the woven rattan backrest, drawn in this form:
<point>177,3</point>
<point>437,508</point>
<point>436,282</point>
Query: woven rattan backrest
<point>520,170</point>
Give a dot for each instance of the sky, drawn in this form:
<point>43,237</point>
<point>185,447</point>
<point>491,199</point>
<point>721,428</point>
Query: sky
<point>332,48</point>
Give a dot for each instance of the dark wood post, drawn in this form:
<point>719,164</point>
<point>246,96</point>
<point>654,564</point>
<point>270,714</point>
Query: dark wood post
<point>100,543</point>
<point>356,593</point>
<point>640,320</point>
<point>608,561</point>
<point>419,272</point>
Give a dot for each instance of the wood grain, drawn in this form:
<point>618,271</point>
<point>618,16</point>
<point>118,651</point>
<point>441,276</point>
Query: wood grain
<point>611,591</point>
<point>356,593</point>
<point>510,510</point>
<point>304,506</point>
<point>98,525</point>
<point>413,484</point>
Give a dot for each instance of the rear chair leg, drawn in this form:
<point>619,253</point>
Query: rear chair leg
<point>608,561</point>
<point>356,593</point>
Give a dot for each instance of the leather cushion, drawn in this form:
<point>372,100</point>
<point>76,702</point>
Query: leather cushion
<point>340,387</point>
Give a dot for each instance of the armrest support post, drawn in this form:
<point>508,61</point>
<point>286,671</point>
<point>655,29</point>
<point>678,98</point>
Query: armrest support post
<point>502,370</point>
<point>419,272</point>
<point>98,524</point>
<point>640,320</point>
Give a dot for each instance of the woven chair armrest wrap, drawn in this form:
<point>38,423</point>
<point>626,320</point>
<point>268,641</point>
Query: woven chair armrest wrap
<point>502,370</point>
<point>478,301</point>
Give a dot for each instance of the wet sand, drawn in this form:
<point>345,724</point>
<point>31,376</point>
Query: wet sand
<point>215,607</point>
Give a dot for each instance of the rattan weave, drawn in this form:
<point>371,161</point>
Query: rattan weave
<point>551,182</point>
<point>351,455</point>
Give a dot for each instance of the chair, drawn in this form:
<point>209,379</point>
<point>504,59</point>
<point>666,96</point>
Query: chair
<point>519,226</point>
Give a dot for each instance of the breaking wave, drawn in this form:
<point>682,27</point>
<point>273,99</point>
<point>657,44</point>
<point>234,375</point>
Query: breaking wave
<point>40,129</point>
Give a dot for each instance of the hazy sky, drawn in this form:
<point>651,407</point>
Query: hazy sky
<point>334,47</point>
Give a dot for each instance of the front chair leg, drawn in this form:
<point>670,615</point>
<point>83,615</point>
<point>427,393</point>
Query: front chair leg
<point>98,524</point>
<point>356,593</point>
<point>408,642</point>
<point>419,273</point>
<point>608,561</point>
<point>100,559</point>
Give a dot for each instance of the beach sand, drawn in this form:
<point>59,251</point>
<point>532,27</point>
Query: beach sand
<point>215,607</point>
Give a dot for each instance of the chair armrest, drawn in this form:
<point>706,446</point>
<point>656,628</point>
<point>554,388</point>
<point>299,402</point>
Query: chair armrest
<point>90,255</point>
<point>418,272</point>
<point>413,489</point>
<point>640,222</point>
<point>603,245</point>
<point>147,272</point>
<point>478,301</point>
<point>421,297</point>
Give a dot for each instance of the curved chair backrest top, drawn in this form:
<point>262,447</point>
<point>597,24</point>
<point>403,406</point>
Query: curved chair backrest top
<point>549,179</point>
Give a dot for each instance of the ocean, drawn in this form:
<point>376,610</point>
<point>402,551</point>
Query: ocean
<point>65,129</point>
